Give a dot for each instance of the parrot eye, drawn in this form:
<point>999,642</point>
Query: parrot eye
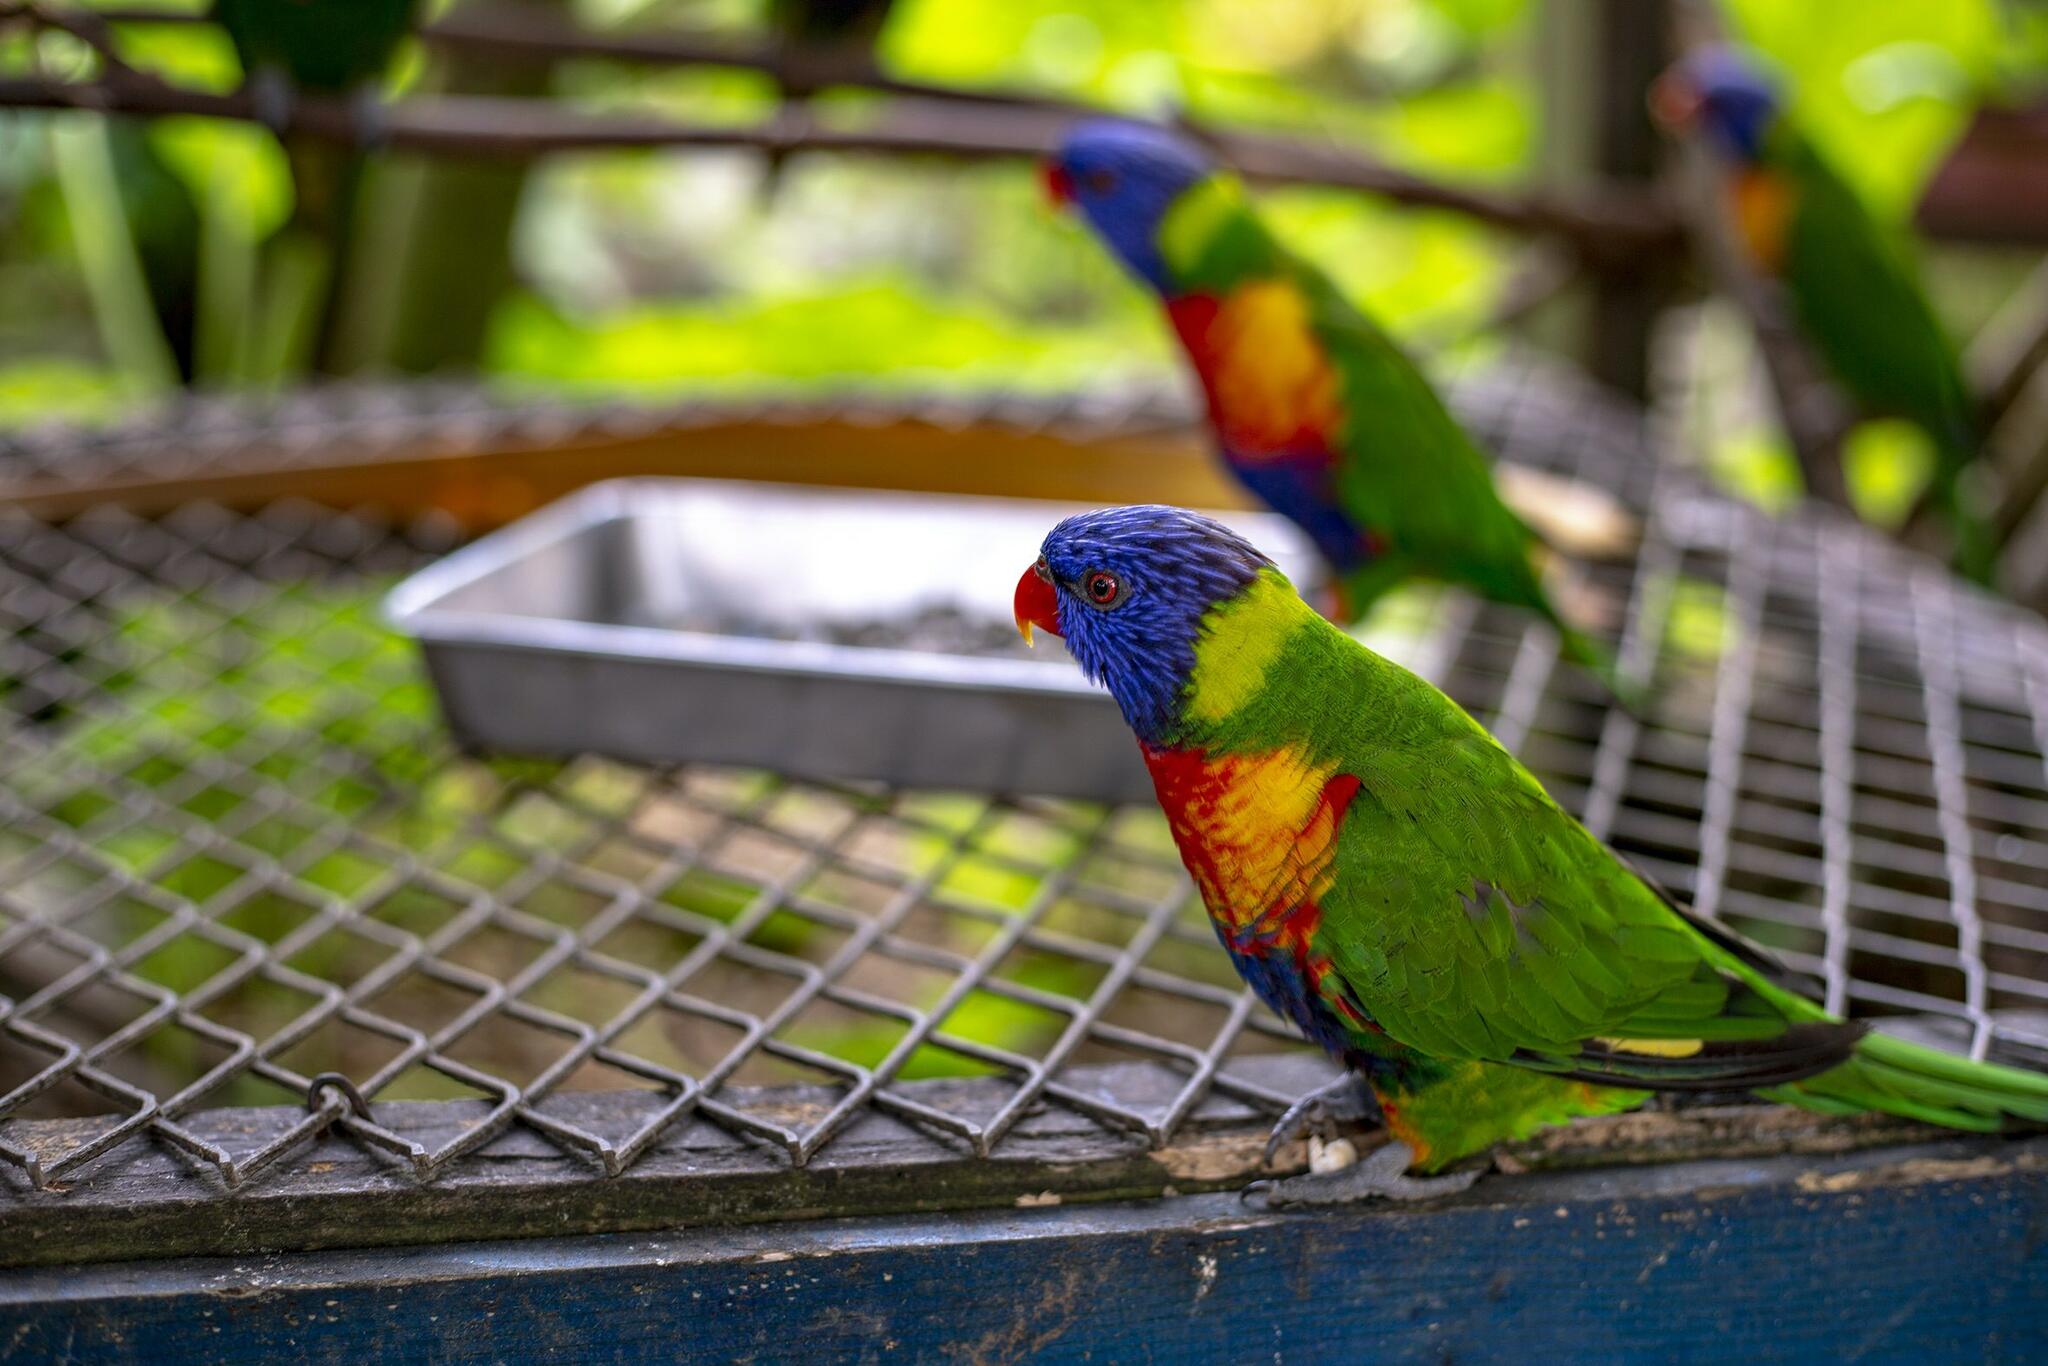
<point>1102,588</point>
<point>1100,182</point>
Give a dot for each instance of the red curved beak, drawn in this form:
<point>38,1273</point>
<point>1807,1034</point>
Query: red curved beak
<point>1675,102</point>
<point>1058,185</point>
<point>1036,604</point>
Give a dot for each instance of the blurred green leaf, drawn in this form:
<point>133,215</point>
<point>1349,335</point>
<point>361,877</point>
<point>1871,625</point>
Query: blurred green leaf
<point>1696,620</point>
<point>41,390</point>
<point>883,330</point>
<point>1758,466</point>
<point>1887,463</point>
<point>108,255</point>
<point>1883,85</point>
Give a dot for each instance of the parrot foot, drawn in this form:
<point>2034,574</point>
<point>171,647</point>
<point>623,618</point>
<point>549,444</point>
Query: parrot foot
<point>1346,1100</point>
<point>1381,1175</point>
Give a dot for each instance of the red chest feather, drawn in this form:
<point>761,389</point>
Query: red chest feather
<point>1271,388</point>
<point>1258,834</point>
<point>1761,202</point>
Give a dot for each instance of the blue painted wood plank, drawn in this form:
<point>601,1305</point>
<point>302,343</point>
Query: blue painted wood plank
<point>1934,1254</point>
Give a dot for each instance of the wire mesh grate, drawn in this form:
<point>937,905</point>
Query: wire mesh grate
<point>238,851</point>
<point>1533,409</point>
<point>241,864</point>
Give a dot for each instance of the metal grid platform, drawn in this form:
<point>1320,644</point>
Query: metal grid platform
<point>1531,408</point>
<point>241,865</point>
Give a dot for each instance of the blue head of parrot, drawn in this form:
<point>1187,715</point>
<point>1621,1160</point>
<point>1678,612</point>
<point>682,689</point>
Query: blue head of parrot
<point>1723,93</point>
<point>1124,176</point>
<point>1127,588</point>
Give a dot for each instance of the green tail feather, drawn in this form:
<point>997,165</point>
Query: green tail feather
<point>1916,1082</point>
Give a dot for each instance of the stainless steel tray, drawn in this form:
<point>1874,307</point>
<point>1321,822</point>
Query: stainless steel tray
<point>638,618</point>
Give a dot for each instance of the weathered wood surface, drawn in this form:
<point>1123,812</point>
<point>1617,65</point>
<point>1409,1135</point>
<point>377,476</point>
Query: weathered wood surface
<point>147,1200</point>
<point>1933,1253</point>
<point>485,481</point>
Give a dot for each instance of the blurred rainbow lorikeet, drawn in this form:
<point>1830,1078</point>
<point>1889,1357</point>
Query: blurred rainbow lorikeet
<point>332,48</point>
<point>329,47</point>
<point>1313,406</point>
<point>808,33</point>
<point>1388,878</point>
<point>1851,284</point>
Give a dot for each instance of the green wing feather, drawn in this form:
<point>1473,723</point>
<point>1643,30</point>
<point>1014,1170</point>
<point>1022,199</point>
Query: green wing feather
<point>1488,924</point>
<point>330,46</point>
<point>1476,920</point>
<point>1405,468</point>
<point>1858,296</point>
<point>1406,464</point>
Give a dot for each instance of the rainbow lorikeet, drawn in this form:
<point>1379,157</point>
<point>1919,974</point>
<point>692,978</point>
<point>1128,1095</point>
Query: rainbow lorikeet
<point>333,48</point>
<point>1391,880</point>
<point>1851,285</point>
<point>810,34</point>
<point>1313,406</point>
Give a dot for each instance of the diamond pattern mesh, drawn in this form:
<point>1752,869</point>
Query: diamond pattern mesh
<point>241,864</point>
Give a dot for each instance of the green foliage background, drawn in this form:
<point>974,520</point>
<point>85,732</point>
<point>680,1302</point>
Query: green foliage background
<point>645,270</point>
<point>648,272</point>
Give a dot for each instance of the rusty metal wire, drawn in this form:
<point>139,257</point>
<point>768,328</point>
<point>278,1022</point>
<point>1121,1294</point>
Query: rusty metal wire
<point>241,864</point>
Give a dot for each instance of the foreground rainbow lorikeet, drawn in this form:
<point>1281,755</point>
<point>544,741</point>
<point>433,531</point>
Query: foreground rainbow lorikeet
<point>1396,884</point>
<point>1314,407</point>
<point>1852,286</point>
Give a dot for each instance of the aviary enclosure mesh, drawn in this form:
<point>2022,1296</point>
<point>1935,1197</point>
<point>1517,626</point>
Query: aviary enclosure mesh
<point>239,857</point>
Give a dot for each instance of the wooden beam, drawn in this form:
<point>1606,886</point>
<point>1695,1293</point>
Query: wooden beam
<point>1609,225</point>
<point>1927,1254</point>
<point>1992,187</point>
<point>335,1193</point>
<point>1634,43</point>
<point>486,484</point>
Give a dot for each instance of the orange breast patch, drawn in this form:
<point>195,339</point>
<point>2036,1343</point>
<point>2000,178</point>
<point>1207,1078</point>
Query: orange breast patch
<point>1762,203</point>
<point>1269,381</point>
<point>1257,832</point>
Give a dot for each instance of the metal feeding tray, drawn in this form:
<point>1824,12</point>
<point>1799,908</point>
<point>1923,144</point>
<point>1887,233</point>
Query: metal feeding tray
<point>825,633</point>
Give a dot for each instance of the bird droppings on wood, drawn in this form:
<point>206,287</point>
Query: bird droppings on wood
<point>1918,1171</point>
<point>1332,1156</point>
<point>1717,1131</point>
<point>1226,1157</point>
<point>1041,1200</point>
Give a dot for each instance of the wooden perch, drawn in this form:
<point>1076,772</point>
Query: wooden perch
<point>1605,229</point>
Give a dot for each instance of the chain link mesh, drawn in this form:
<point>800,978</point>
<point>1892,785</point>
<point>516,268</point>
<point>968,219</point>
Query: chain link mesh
<point>241,863</point>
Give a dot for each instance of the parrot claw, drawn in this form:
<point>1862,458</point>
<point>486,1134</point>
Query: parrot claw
<point>1343,1101</point>
<point>1381,1175</point>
